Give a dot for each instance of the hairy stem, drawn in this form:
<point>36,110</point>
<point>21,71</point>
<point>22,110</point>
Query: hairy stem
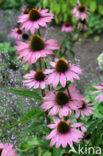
<point>95,133</point>
<point>40,66</point>
<point>43,91</point>
<point>46,68</point>
<point>68,91</point>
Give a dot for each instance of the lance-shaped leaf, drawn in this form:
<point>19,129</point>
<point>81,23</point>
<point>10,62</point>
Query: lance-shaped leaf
<point>25,92</point>
<point>31,142</point>
<point>30,115</point>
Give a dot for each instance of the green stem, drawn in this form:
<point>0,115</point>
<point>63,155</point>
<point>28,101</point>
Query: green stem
<point>39,32</point>
<point>68,91</point>
<point>40,66</point>
<point>46,68</point>
<point>84,144</point>
<point>43,91</point>
<point>95,136</point>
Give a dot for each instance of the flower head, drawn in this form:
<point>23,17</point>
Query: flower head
<point>100,90</point>
<point>25,36</point>
<point>16,33</point>
<point>64,133</point>
<point>34,49</point>
<point>62,102</point>
<point>7,150</point>
<point>35,18</point>
<point>80,12</point>
<point>24,11</point>
<point>62,71</point>
<point>67,27</point>
<point>85,109</point>
<point>82,25</point>
<point>34,79</point>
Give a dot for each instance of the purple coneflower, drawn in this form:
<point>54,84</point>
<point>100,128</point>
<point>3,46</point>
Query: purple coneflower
<point>64,133</point>
<point>62,72</point>
<point>36,48</point>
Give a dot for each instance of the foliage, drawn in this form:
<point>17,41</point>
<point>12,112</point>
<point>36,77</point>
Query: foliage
<point>30,115</point>
<point>6,47</point>
<point>15,4</point>
<point>33,3</point>
<point>95,24</point>
<point>26,93</point>
<point>93,124</point>
<point>11,4</point>
<point>63,13</point>
<point>94,5</point>
<point>62,8</point>
<point>32,142</point>
<point>67,45</point>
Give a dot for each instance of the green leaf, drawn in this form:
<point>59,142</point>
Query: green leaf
<point>57,8</point>
<point>72,53</point>
<point>26,66</point>
<point>100,107</point>
<point>56,19</point>
<point>58,151</point>
<point>47,153</point>
<point>93,125</point>
<point>64,7</point>
<point>30,115</point>
<point>6,47</point>
<point>65,17</point>
<point>97,38</point>
<point>93,6</point>
<point>45,3</point>
<point>25,92</point>
<point>100,9</point>
<point>40,151</point>
<point>97,114</point>
<point>34,126</point>
<point>31,142</point>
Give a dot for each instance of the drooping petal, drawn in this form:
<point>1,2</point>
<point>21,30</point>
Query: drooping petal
<point>75,69</point>
<point>76,125</point>
<point>56,80</point>
<point>63,80</point>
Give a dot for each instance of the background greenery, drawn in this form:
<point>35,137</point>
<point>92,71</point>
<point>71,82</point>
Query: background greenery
<point>62,10</point>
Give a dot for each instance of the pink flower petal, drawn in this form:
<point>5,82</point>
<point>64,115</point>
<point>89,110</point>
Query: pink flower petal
<point>52,126</point>
<point>77,114</point>
<point>53,133</point>
<point>63,80</point>
<point>76,125</point>
<point>69,76</point>
<point>56,120</point>
<point>56,80</point>
<point>42,84</point>
<point>53,111</point>
<point>36,85</point>
<point>75,69</point>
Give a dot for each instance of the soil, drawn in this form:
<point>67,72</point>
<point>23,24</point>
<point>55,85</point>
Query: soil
<point>87,52</point>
